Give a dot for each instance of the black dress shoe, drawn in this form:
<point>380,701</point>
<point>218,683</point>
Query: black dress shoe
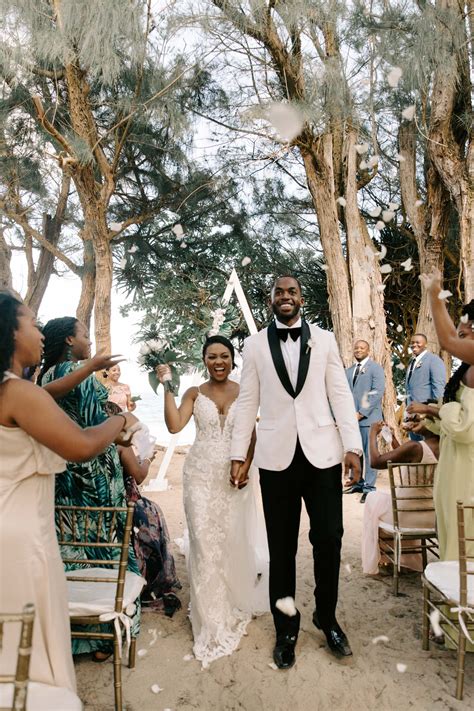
<point>284,652</point>
<point>336,639</point>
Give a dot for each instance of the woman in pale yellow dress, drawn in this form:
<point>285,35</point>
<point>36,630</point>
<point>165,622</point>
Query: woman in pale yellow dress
<point>36,437</point>
<point>455,473</point>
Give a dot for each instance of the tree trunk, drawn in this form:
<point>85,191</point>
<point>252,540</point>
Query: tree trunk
<point>319,174</point>
<point>86,302</point>
<point>44,269</point>
<point>429,222</point>
<point>368,314</point>
<point>6,281</point>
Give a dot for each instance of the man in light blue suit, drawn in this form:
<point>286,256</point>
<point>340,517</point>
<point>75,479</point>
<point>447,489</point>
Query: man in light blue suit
<point>367,383</point>
<point>426,375</point>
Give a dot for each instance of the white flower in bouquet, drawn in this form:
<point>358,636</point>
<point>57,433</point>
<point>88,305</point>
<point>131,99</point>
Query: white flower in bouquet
<point>144,349</point>
<point>157,344</point>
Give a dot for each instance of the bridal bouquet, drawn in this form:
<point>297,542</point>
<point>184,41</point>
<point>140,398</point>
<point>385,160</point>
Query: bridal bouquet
<point>158,351</point>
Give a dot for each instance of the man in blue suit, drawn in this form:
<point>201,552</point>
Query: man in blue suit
<point>367,383</point>
<point>426,375</point>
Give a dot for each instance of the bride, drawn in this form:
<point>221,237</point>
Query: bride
<point>228,553</point>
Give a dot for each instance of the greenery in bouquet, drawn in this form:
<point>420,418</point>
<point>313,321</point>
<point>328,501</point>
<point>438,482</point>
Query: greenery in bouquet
<point>180,346</point>
<point>156,351</point>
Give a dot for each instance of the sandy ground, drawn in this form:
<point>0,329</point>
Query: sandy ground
<point>318,681</point>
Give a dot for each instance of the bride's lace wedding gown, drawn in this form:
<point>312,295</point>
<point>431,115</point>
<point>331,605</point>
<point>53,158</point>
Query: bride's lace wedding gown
<point>227,557</point>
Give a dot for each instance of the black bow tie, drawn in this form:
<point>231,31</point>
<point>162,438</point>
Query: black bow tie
<point>295,333</point>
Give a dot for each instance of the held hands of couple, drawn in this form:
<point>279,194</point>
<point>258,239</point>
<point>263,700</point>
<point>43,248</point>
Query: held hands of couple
<point>352,470</point>
<point>239,474</point>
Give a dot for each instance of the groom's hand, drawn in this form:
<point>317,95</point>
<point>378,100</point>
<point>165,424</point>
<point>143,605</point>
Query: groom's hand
<point>238,474</point>
<point>352,469</point>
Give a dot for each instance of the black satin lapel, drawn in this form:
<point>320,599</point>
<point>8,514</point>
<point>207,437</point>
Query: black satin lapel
<point>277,357</point>
<point>305,355</point>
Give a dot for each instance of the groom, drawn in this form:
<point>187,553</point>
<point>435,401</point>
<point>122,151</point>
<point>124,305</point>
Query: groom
<point>308,426</point>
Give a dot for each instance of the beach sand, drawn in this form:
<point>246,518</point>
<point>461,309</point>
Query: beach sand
<point>318,682</point>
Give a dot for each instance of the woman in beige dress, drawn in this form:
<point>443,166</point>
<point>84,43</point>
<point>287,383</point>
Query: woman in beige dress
<point>36,437</point>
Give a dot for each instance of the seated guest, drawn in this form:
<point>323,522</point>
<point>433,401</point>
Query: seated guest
<point>150,537</point>
<point>98,481</point>
<point>378,506</point>
<point>36,437</point>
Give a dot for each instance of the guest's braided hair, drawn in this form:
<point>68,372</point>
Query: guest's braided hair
<point>55,333</point>
<point>454,382</point>
<point>9,306</point>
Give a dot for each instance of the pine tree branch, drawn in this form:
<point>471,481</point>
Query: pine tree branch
<point>20,219</point>
<point>52,130</point>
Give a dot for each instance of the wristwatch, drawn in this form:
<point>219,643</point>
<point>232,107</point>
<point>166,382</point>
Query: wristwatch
<point>359,452</point>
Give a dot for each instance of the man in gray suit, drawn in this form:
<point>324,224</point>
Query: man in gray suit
<point>367,383</point>
<point>425,377</point>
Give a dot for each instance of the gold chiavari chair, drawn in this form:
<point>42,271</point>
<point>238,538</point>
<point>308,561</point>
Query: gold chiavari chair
<point>101,590</point>
<point>17,693</point>
<point>448,592</point>
<point>411,490</point>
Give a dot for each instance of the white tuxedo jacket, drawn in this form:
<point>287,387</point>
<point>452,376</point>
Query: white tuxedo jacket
<point>320,411</point>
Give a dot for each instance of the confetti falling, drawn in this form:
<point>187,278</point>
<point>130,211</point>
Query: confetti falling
<point>444,294</point>
<point>400,366</point>
<point>407,265</point>
<point>286,120</point>
<point>133,249</point>
<point>287,606</point>
<point>401,667</point>
<point>361,148</point>
<point>142,652</point>
<point>363,165</point>
<point>393,205</point>
<point>123,263</point>
<point>324,267</point>
<point>399,329</point>
<point>115,226</point>
<point>178,230</point>
<point>246,261</point>
<point>388,215</point>
<point>372,162</point>
<point>380,638</point>
<point>381,287</point>
<point>385,269</point>
<point>401,158</point>
<point>375,212</point>
<point>394,76</point>
<point>465,318</point>
<point>418,203</point>
<point>365,402</point>
<point>156,688</point>
<point>188,657</point>
<point>183,245</point>
<point>379,225</point>
<point>341,201</point>
<point>383,252</point>
<point>409,112</point>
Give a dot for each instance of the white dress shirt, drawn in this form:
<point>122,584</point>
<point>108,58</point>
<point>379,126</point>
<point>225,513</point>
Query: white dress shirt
<point>362,364</point>
<point>291,352</point>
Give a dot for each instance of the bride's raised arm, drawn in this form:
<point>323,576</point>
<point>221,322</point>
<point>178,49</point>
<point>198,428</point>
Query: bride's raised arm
<point>176,418</point>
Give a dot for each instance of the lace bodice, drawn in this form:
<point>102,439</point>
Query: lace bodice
<point>210,425</point>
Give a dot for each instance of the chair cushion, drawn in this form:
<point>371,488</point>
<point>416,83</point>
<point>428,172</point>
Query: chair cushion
<point>444,575</point>
<point>420,531</point>
<point>89,598</point>
<point>42,697</point>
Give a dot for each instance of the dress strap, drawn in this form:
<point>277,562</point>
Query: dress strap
<point>7,375</point>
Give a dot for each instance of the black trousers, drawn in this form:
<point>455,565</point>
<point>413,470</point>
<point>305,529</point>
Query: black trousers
<point>282,493</point>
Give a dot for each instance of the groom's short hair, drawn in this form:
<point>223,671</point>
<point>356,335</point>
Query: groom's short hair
<point>286,276</point>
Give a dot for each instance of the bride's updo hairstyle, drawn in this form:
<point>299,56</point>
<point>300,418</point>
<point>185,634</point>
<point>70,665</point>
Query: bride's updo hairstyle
<point>210,340</point>
<point>9,324</point>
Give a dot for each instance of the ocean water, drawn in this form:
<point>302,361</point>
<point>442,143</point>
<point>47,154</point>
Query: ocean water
<point>150,411</point>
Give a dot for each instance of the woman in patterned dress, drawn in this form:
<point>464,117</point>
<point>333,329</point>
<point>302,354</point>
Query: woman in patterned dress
<point>99,481</point>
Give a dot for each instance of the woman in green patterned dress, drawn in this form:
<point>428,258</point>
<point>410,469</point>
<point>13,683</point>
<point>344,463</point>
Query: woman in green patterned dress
<point>99,481</point>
